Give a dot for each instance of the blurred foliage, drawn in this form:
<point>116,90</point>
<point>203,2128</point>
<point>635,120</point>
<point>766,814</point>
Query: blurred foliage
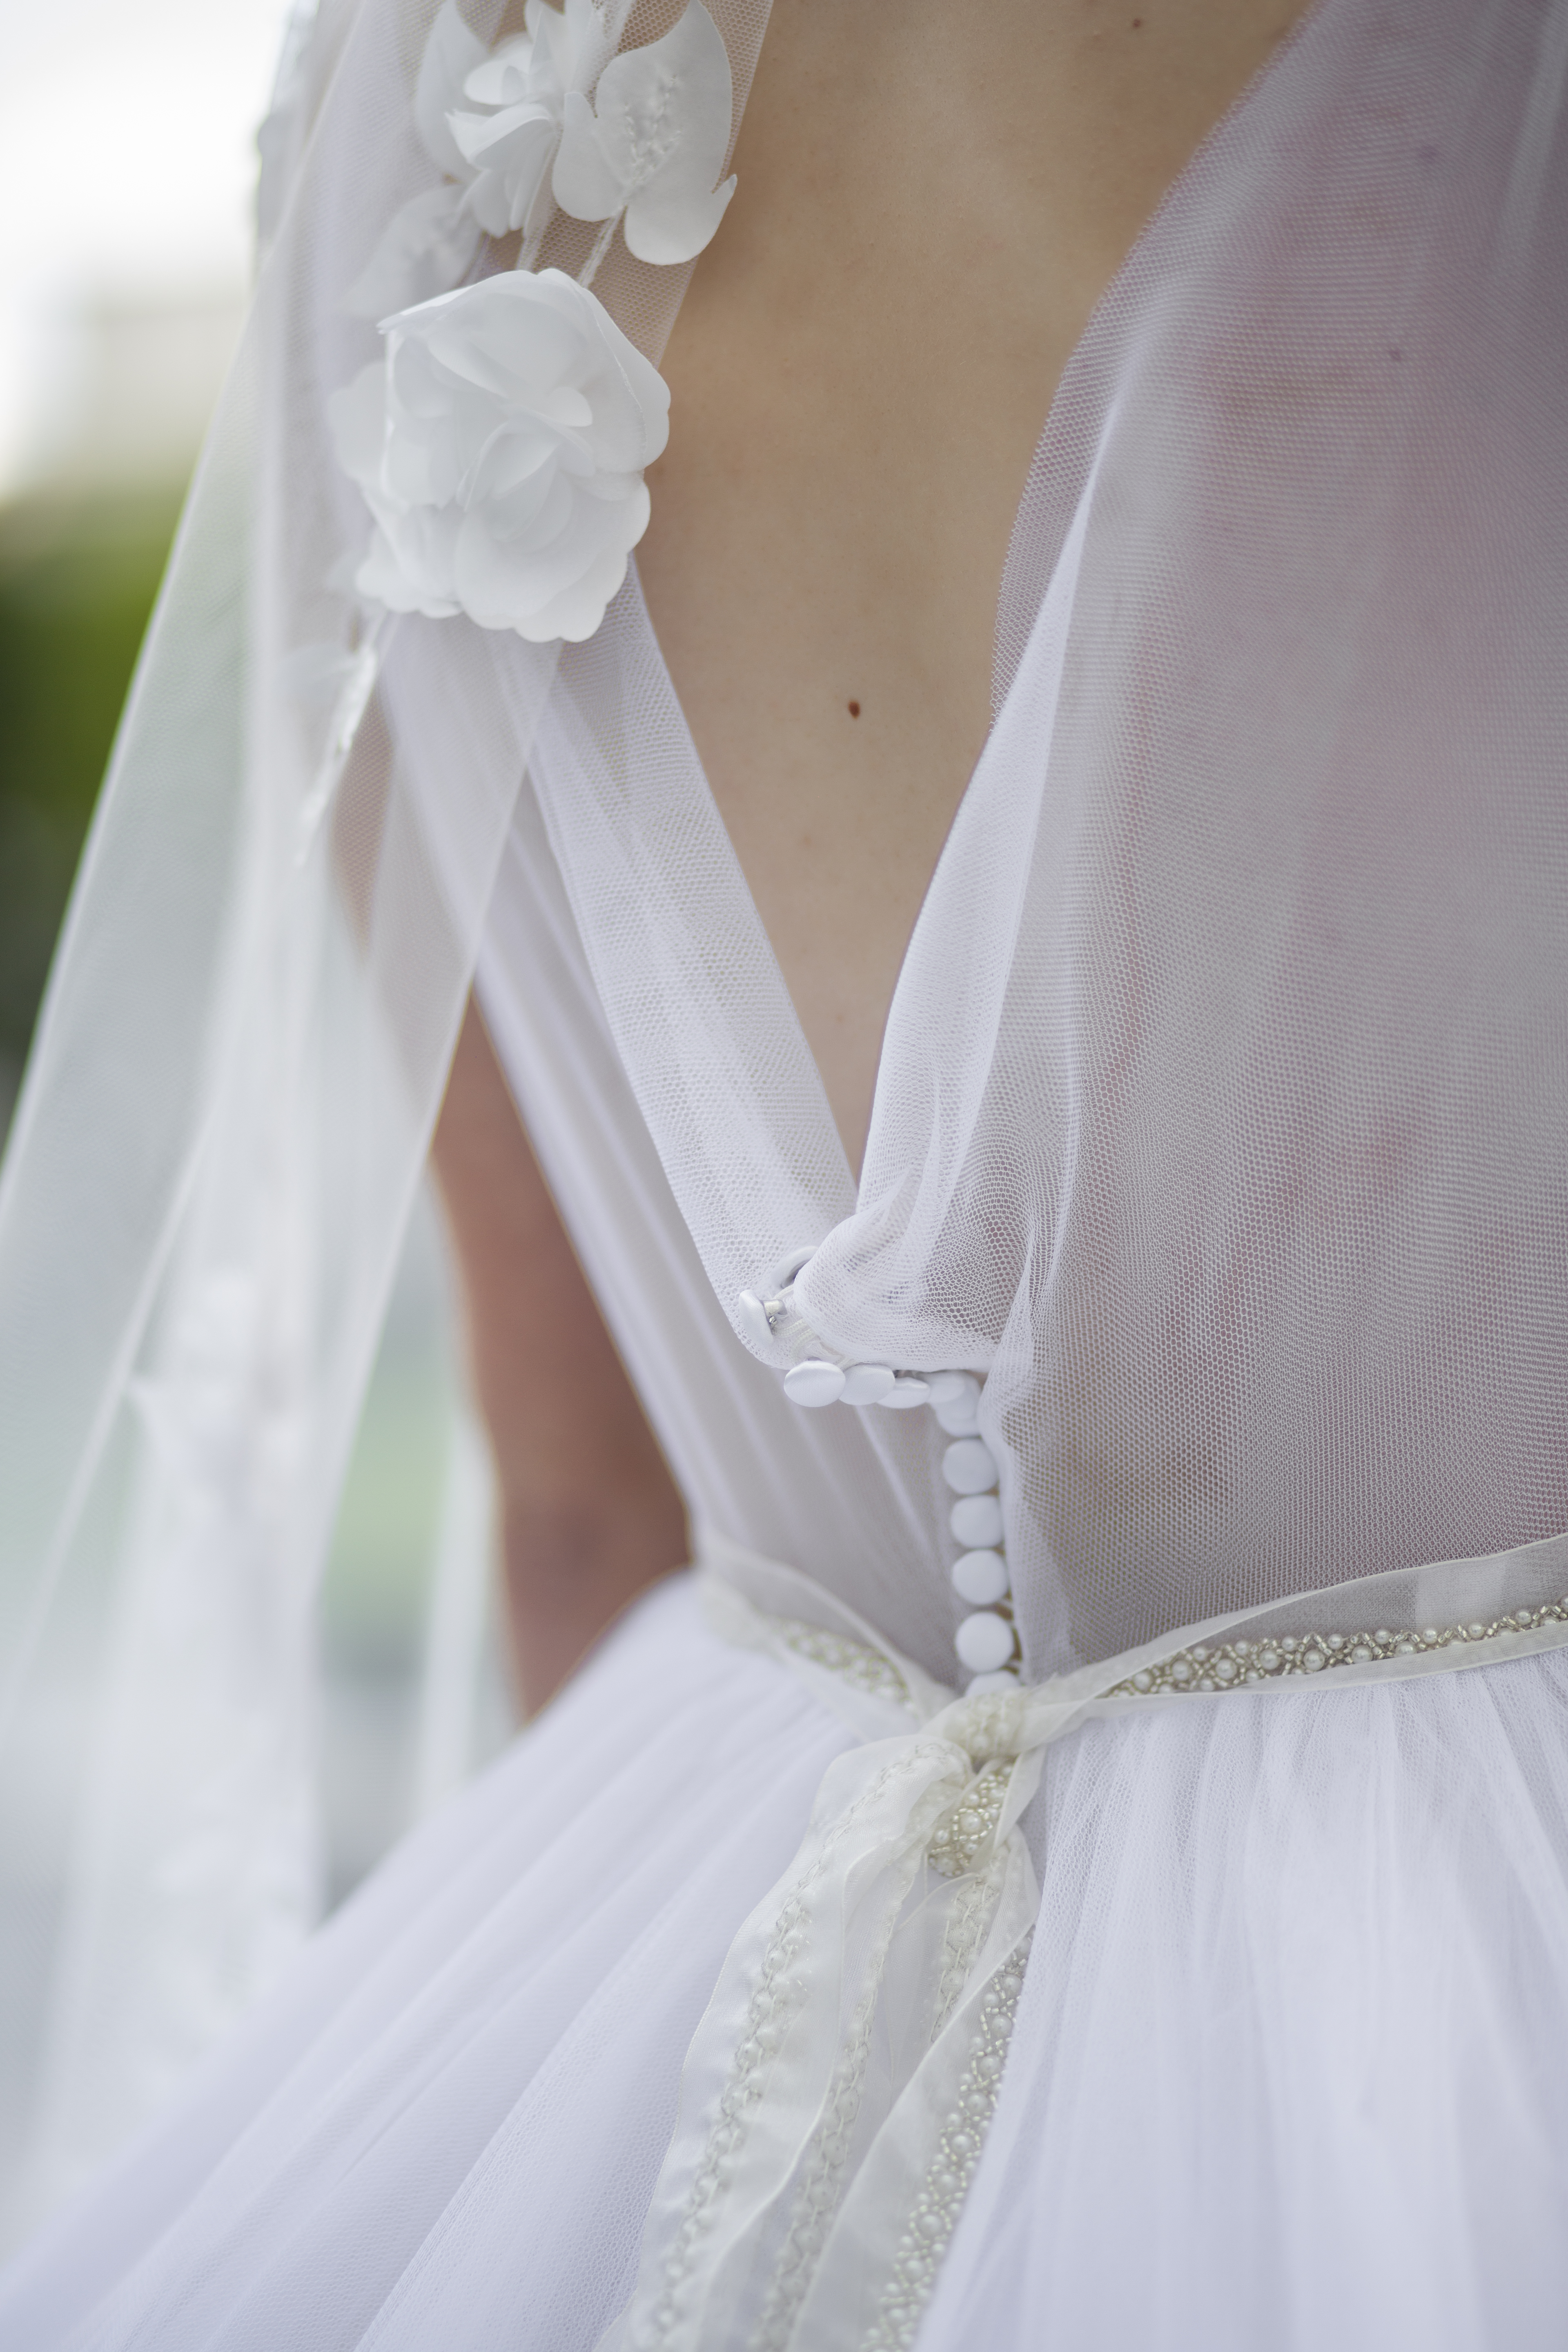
<point>374,1594</point>
<point>77,583</point>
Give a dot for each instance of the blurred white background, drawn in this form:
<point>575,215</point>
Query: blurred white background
<point>127,169</point>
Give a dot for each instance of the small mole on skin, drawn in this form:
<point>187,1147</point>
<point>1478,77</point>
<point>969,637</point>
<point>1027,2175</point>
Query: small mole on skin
<point>854,710</point>
<point>1138,24</point>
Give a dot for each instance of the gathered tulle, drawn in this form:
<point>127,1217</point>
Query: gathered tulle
<point>1290,2065</point>
<point>1289,2069</point>
<point>471,2074</point>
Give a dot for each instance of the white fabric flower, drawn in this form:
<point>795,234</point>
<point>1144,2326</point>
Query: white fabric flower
<point>653,143</point>
<point>451,54</point>
<point>523,85</point>
<point>499,445</point>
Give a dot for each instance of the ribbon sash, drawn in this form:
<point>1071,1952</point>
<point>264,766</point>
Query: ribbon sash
<point>836,2093</point>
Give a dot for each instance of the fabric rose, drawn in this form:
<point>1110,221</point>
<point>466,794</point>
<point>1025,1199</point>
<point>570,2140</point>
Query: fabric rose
<point>499,445</point>
<point>652,145</point>
<point>525,84</point>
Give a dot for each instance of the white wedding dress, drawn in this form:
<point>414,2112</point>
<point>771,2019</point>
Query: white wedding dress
<point>1222,1132</point>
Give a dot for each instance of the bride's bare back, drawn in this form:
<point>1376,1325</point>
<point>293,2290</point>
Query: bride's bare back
<point>932,197</point>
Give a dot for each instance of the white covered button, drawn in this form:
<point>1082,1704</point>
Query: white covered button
<point>1004,1678</point>
<point>754,1320</point>
<point>814,1381</point>
<point>794,1261</point>
<point>976,1522</point>
<point>983,1642</point>
<point>945,1386</point>
<point>907,1389</point>
<point>866,1384</point>
<point>970,1466</point>
<point>960,1408</point>
<point>980,1577</point>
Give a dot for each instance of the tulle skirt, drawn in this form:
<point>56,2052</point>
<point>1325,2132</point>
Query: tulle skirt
<point>1291,2067</point>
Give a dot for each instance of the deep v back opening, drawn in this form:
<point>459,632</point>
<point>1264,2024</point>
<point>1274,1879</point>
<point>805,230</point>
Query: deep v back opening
<point>1060,463</point>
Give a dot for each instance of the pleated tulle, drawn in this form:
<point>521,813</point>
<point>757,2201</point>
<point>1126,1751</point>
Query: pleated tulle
<point>468,2086</point>
<point>1290,2068</point>
<point>1290,2071</point>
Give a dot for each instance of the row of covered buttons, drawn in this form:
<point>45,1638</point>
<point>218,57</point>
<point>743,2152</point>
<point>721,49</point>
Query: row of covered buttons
<point>986,1640</point>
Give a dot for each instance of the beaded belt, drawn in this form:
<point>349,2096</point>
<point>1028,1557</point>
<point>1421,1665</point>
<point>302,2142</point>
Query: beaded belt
<point>836,2094</point>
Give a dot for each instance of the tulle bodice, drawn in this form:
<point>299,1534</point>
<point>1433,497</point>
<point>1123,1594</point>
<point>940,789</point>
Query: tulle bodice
<point>1222,1122</point>
<point>1222,1116</point>
<point>857,1498</point>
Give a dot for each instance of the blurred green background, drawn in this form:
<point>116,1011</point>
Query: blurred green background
<point>77,577</point>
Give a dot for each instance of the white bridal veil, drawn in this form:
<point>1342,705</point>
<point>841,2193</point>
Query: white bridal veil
<point>223,1124</point>
<point>1265,871</point>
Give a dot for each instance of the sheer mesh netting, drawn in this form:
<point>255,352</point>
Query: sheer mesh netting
<point>1221,1127</point>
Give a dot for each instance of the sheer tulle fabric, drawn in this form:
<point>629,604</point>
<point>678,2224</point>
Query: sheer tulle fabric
<point>1288,2069</point>
<point>1202,1129</point>
<point>1294,2003</point>
<point>222,1127</point>
<point>478,2061</point>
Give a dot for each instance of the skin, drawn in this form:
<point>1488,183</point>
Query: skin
<point>589,1514</point>
<point>931,199</point>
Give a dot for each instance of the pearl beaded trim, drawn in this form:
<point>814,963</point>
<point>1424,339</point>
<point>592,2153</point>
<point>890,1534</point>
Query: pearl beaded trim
<point>935,1823</point>
<point>963,1837</point>
<point>966,1832</point>
<point>1232,1665</point>
<point>866,1669</point>
<point>940,2196</point>
<point>821,2185</point>
<point>775,2000</point>
<point>961,1842</point>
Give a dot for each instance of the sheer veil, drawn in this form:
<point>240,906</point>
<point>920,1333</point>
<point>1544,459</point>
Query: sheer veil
<point>1334,337</point>
<point>225,1120</point>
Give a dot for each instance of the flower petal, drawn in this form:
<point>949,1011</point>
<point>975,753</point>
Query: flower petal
<point>655,142</point>
<point>485,139</point>
<point>584,182</point>
<point>667,107</point>
<point>505,76</point>
<point>666,224</point>
<point>578,40</point>
<point>451,54</point>
<point>511,153</point>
